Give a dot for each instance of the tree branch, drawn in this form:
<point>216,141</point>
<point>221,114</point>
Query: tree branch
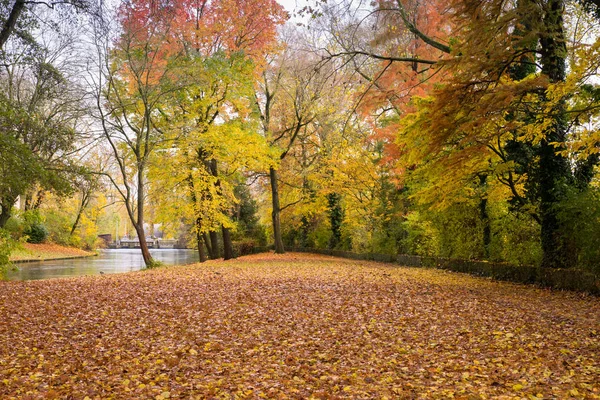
<point>411,27</point>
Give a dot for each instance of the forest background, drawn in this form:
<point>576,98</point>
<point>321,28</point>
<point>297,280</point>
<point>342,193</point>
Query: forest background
<point>462,129</point>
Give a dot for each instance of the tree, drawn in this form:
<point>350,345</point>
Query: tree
<point>223,43</point>
<point>135,78</point>
<point>291,97</point>
<point>495,68</point>
<point>41,110</point>
<point>16,16</point>
<point>495,114</point>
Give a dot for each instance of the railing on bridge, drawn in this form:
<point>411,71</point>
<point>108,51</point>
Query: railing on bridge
<point>134,243</point>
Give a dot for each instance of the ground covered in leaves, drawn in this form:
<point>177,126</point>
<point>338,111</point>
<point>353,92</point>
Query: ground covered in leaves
<point>46,251</point>
<point>295,326</point>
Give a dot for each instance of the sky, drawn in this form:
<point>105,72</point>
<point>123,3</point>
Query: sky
<point>290,5</point>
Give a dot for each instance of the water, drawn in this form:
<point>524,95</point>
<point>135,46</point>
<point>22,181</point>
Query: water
<point>110,261</point>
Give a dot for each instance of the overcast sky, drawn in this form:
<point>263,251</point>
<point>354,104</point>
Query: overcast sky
<point>291,5</point>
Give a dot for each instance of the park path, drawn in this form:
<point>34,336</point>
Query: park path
<point>295,326</point>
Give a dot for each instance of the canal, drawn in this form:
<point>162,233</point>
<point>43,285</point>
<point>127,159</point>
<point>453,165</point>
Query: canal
<point>109,261</point>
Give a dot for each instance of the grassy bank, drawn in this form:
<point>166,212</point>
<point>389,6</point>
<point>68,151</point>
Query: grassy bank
<point>46,251</point>
<point>295,326</point>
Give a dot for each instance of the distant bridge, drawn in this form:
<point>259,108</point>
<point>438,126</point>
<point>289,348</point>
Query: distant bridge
<point>134,243</point>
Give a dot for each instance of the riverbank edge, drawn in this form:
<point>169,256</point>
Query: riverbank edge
<point>31,260</point>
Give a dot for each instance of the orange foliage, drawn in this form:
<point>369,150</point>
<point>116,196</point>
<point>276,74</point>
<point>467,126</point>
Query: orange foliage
<point>398,82</point>
<point>204,26</point>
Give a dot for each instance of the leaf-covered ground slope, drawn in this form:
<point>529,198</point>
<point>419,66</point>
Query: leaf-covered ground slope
<point>295,326</point>
<point>47,251</point>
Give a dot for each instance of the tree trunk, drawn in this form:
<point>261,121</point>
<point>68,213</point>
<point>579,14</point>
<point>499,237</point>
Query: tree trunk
<point>148,260</point>
<point>139,224</point>
<point>11,21</point>
<point>276,212</point>
<point>214,240</point>
<point>555,173</point>
<point>201,252</point>
<point>6,205</point>
<point>208,244</point>
<point>227,245</point>
<point>485,218</point>
<point>84,202</point>
<point>194,200</point>
<point>213,168</point>
<point>4,216</point>
<point>74,226</point>
<point>336,216</point>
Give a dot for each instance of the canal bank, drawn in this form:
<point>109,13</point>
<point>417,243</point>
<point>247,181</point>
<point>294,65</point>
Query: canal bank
<point>108,261</point>
<point>30,252</point>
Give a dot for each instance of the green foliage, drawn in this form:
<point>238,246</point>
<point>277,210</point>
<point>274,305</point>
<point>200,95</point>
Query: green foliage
<point>515,237</point>
<point>7,245</point>
<point>309,230</point>
<point>58,224</point>
<point>336,217</point>
<point>15,227</point>
<point>33,227</point>
<point>36,233</point>
<point>422,238</point>
<point>579,216</point>
<point>248,226</point>
<point>154,264</point>
<point>29,146</point>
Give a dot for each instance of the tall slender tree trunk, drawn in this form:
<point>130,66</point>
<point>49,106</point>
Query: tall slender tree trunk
<point>198,222</point>
<point>555,173</point>
<point>208,244</point>
<point>148,260</point>
<point>84,202</point>
<point>484,217</point>
<point>199,241</point>
<point>139,223</point>
<point>227,244</point>
<point>275,214</point>
<point>214,244</point>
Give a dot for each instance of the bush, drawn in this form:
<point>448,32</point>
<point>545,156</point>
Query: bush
<point>7,245</point>
<point>579,216</point>
<point>15,226</point>
<point>244,247</point>
<point>36,233</point>
<point>59,227</point>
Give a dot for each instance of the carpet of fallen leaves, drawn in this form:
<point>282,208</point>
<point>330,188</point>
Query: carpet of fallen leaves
<point>46,251</point>
<point>295,326</point>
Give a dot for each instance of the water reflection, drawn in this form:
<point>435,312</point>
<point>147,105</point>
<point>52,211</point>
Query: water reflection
<point>110,261</point>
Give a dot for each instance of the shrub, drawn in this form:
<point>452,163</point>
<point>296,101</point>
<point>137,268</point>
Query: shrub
<point>36,233</point>
<point>244,247</point>
<point>579,215</point>
<point>7,245</point>
<point>15,226</point>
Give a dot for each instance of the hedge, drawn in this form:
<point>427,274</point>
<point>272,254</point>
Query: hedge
<point>561,279</point>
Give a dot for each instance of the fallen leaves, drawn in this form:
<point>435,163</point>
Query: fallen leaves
<point>295,326</point>
<point>47,251</point>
